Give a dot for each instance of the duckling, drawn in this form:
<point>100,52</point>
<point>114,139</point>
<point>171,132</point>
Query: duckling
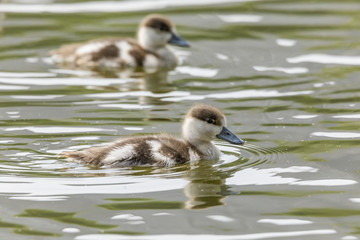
<point>149,51</point>
<point>201,125</point>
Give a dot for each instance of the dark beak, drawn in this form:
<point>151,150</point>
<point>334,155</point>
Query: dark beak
<point>227,135</point>
<point>178,41</point>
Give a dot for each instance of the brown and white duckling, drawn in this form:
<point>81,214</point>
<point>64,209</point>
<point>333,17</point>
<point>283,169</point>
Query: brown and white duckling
<point>201,125</point>
<point>150,49</point>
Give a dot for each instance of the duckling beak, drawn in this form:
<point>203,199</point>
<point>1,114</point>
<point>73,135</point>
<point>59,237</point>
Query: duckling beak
<point>178,41</point>
<point>227,135</point>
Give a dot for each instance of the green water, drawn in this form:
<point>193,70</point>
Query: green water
<point>285,73</point>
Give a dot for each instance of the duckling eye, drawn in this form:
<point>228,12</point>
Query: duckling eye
<point>163,28</point>
<point>210,120</point>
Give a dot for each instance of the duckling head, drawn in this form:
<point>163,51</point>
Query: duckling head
<point>204,123</point>
<point>156,31</point>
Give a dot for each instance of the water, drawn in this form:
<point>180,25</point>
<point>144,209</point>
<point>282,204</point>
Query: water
<point>284,72</point>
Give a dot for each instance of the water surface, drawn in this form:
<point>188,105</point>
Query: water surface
<point>284,72</point>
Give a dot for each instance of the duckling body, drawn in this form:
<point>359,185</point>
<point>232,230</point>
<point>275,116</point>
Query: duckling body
<point>201,125</point>
<point>150,49</point>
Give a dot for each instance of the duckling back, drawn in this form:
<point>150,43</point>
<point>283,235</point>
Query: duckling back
<point>162,150</point>
<point>109,53</point>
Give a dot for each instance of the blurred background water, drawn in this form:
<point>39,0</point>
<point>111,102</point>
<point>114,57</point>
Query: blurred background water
<point>286,73</point>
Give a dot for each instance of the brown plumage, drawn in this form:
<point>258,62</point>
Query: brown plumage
<point>175,149</point>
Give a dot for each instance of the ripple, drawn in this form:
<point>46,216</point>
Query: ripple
<point>340,135</point>
<point>221,218</point>
<point>65,81</point>
<point>10,87</point>
<point>243,94</point>
<point>43,189</point>
<point>107,6</point>
<point>326,59</point>
<point>126,106</point>
<point>235,18</point>
<point>284,222</point>
<point>248,155</point>
<point>26,75</point>
<point>57,129</point>
<point>264,235</point>
<point>138,94</point>
<point>197,72</point>
<point>258,94</point>
<point>293,70</point>
<point>304,116</point>
<point>271,176</point>
<point>42,97</point>
<point>348,116</point>
<point>285,42</point>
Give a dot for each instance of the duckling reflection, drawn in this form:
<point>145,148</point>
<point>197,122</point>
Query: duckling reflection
<point>207,186</point>
<point>154,82</point>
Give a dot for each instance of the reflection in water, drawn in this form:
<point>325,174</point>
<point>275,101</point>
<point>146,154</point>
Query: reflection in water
<point>265,235</point>
<point>153,80</point>
<point>64,217</point>
<point>156,82</point>
<point>206,187</point>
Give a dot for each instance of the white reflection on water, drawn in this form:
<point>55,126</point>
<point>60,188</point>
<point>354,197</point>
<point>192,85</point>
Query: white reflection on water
<point>348,116</point>
<point>70,230</point>
<point>207,236</point>
<point>6,87</point>
<point>239,95</point>
<point>270,176</point>
<point>326,59</point>
<point>26,75</point>
<point>284,222</point>
<point>336,134</point>
<point>234,18</point>
<point>197,72</point>
<point>294,70</point>
<point>66,81</point>
<point>47,188</point>
<point>85,138</point>
<point>41,198</point>
<point>349,238</point>
<point>285,42</point>
<point>257,94</point>
<point>221,56</point>
<point>42,97</point>
<point>325,182</point>
<point>138,94</point>
<point>79,73</point>
<point>108,6</point>
<point>126,106</point>
<point>304,116</point>
<point>220,218</point>
<point>58,129</point>
<point>133,128</point>
<point>129,217</point>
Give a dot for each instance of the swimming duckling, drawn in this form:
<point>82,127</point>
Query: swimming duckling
<point>150,49</point>
<point>201,125</point>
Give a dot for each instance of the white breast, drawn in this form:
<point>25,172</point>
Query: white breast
<point>193,156</point>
